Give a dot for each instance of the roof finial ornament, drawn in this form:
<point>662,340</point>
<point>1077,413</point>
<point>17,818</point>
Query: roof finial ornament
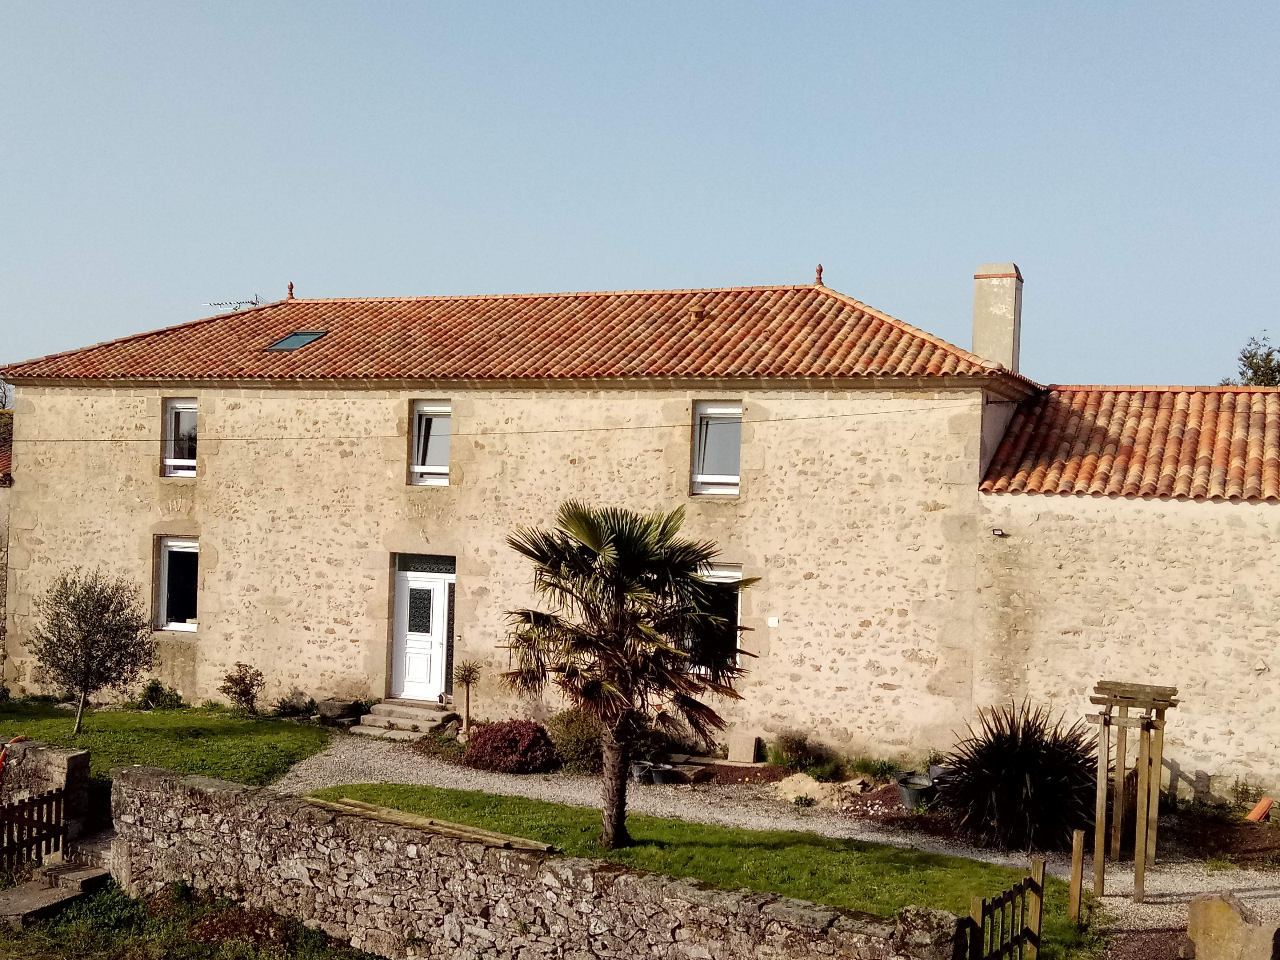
<point>291,289</point>
<point>817,280</point>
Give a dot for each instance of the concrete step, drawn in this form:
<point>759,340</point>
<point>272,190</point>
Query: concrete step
<point>410,710</point>
<point>398,723</point>
<point>73,877</point>
<point>384,734</point>
<point>91,851</point>
<point>30,902</point>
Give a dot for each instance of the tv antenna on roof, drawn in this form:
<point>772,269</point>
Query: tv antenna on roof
<point>232,305</point>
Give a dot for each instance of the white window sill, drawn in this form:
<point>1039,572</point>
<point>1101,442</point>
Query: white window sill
<point>180,627</point>
<point>716,485</point>
<point>429,482</point>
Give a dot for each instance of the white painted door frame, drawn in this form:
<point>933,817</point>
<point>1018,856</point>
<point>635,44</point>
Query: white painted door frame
<point>420,647</point>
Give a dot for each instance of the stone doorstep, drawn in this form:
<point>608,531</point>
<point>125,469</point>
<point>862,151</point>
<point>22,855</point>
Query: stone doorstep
<point>408,711</point>
<point>383,733</point>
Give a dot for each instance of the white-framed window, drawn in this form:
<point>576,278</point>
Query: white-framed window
<point>717,447</point>
<point>728,634</point>
<point>431,426</point>
<point>176,598</point>
<point>179,437</point>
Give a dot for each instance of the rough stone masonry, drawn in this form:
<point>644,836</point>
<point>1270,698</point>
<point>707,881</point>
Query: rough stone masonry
<point>406,892</point>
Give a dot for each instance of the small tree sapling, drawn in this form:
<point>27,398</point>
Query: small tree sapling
<point>93,633</point>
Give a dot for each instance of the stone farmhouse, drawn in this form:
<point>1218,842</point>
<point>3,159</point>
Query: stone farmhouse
<point>322,488</point>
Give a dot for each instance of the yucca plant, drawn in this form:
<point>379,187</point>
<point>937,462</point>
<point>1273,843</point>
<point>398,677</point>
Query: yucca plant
<point>1022,781</point>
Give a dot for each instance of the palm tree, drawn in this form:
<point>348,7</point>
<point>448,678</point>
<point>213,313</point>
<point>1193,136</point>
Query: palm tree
<point>636,634</point>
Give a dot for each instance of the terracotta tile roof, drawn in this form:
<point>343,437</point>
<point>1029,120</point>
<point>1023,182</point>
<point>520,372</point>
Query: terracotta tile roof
<point>1184,443</point>
<point>6,447</point>
<point>792,331</point>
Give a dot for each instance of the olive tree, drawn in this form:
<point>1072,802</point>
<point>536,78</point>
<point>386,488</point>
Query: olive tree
<point>93,633</point>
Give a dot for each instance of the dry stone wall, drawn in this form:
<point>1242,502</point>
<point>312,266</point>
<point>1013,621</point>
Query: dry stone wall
<point>404,892</point>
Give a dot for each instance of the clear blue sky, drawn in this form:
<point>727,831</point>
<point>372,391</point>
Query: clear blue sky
<point>158,156</point>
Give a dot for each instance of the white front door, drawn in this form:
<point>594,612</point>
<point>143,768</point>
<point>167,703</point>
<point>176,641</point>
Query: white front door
<point>418,659</point>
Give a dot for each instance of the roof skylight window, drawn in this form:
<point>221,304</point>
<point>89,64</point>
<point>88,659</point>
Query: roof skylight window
<point>299,338</point>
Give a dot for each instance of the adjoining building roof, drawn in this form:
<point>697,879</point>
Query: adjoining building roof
<point>786,331</point>
<point>6,448</point>
<point>1183,443</point>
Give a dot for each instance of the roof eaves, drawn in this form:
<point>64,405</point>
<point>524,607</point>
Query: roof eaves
<point>134,336</point>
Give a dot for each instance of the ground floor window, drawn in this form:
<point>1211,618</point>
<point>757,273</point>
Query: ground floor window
<point>179,583</point>
<point>724,640</point>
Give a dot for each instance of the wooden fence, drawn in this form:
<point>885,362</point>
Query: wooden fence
<point>32,829</point>
<point>1007,926</point>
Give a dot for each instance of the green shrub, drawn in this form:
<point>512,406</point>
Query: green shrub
<point>826,771</point>
<point>873,768</point>
<point>803,801</point>
<point>294,707</point>
<point>576,735</point>
<point>790,749</point>
<point>242,686</point>
<point>1022,782</point>
<point>156,696</point>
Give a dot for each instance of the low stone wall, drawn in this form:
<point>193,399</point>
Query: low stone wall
<point>32,768</point>
<point>403,891</point>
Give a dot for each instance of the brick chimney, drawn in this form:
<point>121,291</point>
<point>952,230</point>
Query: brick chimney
<point>997,313</point>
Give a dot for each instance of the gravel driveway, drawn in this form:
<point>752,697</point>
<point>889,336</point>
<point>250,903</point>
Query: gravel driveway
<point>1170,886</point>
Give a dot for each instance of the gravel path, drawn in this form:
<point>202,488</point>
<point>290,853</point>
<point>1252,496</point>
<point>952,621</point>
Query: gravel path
<point>1169,886</point>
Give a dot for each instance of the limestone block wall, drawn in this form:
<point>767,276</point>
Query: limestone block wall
<point>857,511</point>
<point>1185,594</point>
<point>403,892</point>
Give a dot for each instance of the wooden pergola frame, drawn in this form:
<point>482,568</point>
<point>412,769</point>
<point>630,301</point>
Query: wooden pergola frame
<point>1116,700</point>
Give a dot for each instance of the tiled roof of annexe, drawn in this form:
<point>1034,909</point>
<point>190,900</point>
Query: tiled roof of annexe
<point>1184,443</point>
<point>787,331</point>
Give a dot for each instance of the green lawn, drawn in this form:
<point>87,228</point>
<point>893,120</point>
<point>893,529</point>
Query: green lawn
<point>178,924</point>
<point>212,743</point>
<point>843,873</point>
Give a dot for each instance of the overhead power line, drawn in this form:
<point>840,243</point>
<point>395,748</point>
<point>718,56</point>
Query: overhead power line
<point>507,433</point>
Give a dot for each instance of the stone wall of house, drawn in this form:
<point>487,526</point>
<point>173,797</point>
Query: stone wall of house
<point>4,564</point>
<point>886,613</point>
<point>1184,594</point>
<point>32,768</point>
<point>857,513</point>
<point>399,891</point>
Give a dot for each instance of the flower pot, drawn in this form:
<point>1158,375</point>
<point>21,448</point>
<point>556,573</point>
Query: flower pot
<point>642,771</point>
<point>664,773</point>
<point>915,789</point>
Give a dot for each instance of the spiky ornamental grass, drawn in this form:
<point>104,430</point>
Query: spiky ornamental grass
<point>1022,781</point>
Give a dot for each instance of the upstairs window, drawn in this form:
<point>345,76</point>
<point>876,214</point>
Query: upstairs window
<point>299,338</point>
<point>431,428</point>
<point>717,447</point>
<point>179,438</point>
<point>179,583</point>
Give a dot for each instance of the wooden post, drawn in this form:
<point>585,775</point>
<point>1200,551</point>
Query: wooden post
<point>976,946</point>
<point>1100,808</point>
<point>1143,796</point>
<point>1157,760</point>
<point>1117,803</point>
<point>1035,907</point>
<point>1077,875</point>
